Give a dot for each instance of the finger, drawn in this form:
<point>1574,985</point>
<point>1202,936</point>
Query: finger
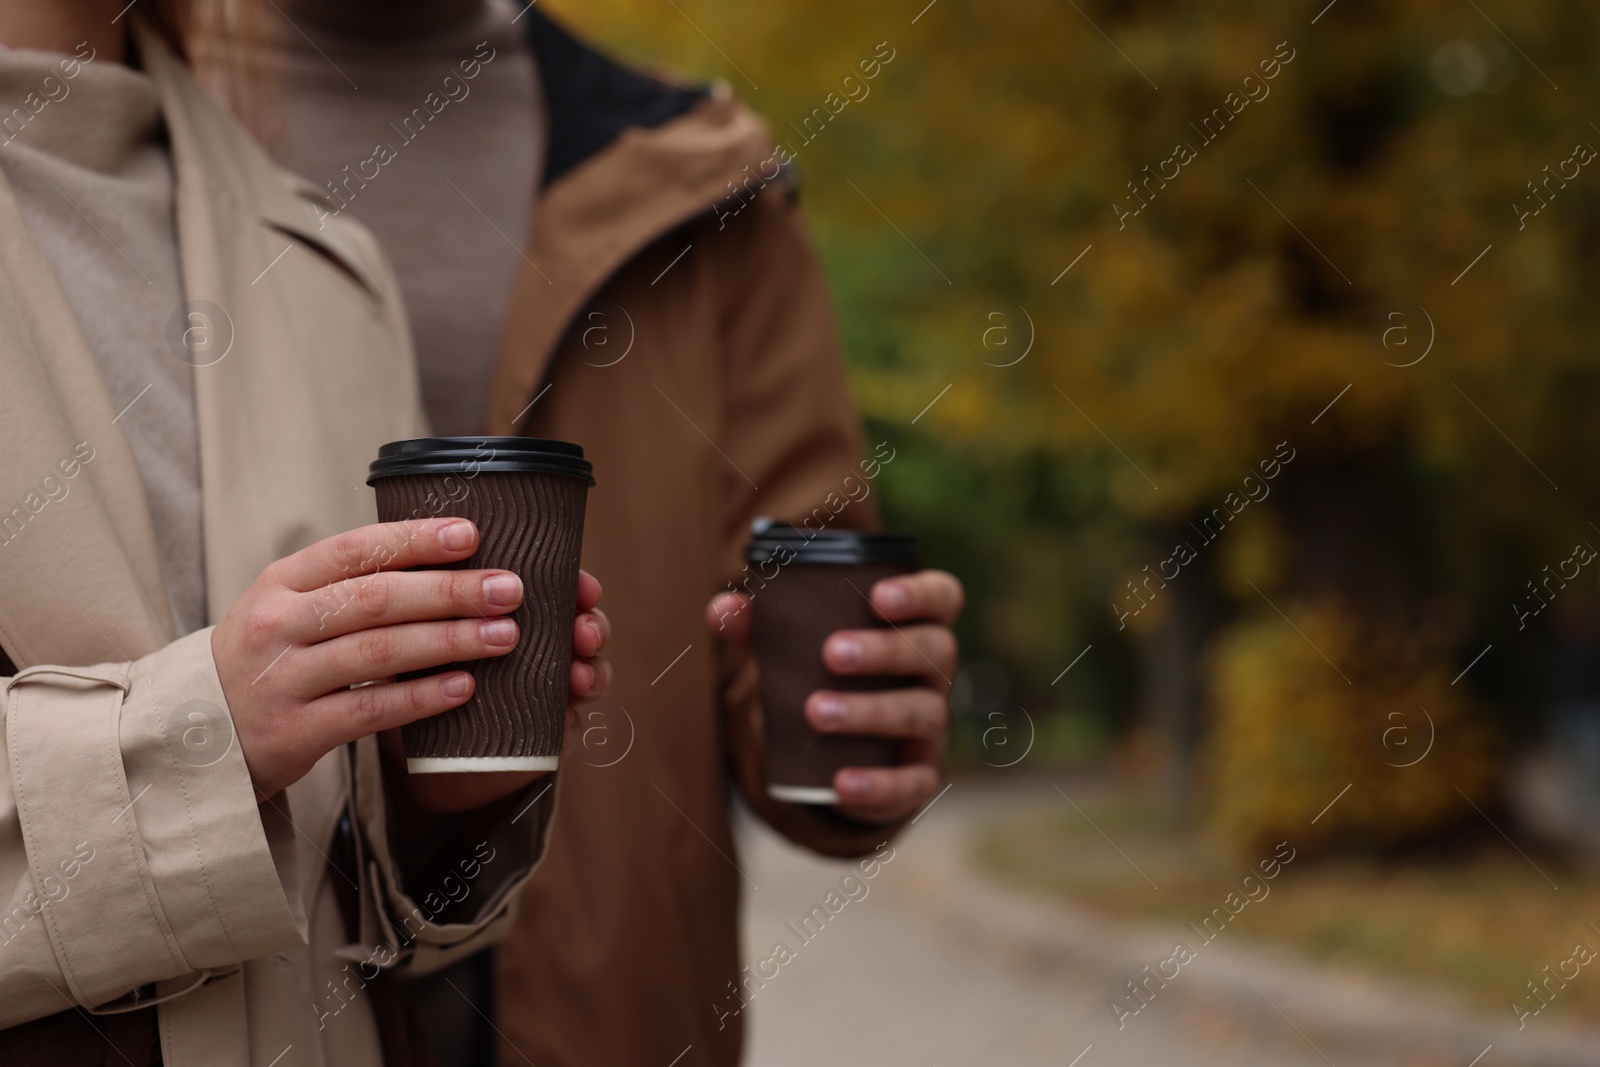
<point>891,713</point>
<point>885,794</point>
<point>390,650</point>
<point>590,632</point>
<point>931,595</point>
<point>589,679</point>
<point>390,597</point>
<point>923,651</point>
<point>351,714</point>
<point>728,615</point>
<point>383,546</point>
<point>589,591</point>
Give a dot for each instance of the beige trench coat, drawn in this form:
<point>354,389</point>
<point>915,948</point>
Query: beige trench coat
<point>135,862</point>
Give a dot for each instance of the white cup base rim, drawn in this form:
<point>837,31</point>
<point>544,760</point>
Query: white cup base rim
<point>803,794</point>
<point>454,764</point>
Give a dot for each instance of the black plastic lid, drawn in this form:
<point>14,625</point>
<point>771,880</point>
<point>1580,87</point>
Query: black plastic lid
<point>803,545</point>
<point>468,456</point>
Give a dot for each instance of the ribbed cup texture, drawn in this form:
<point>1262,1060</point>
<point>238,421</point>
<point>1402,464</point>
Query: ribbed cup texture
<point>794,613</point>
<point>531,524</point>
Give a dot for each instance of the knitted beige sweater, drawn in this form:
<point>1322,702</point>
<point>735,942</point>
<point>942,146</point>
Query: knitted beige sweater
<point>423,118</point>
<point>84,147</point>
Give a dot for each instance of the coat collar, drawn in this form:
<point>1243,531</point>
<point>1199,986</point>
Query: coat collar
<point>591,99</point>
<point>76,542</point>
<point>630,159</point>
<point>592,222</point>
<point>80,575</point>
<point>216,154</point>
<point>280,467</point>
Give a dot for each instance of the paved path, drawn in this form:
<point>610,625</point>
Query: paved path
<point>937,966</point>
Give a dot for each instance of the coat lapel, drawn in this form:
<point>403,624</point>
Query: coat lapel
<point>289,416</point>
<point>601,214</point>
<point>294,406</point>
<point>80,578</point>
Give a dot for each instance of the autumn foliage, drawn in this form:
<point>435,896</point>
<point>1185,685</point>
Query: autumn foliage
<point>1364,231</point>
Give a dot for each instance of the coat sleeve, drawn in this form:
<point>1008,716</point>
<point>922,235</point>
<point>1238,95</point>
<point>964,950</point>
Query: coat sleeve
<point>789,419</point>
<point>457,894</point>
<point>135,862</point>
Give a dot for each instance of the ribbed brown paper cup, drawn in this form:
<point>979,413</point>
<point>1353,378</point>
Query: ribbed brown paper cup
<point>527,498</point>
<point>804,586</point>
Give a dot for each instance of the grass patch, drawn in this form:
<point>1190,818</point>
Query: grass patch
<point>1480,919</point>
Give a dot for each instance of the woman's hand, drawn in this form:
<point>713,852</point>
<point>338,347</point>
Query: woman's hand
<point>324,619</point>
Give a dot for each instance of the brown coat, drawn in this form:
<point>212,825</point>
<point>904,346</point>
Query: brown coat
<point>691,352</point>
<point>136,868</point>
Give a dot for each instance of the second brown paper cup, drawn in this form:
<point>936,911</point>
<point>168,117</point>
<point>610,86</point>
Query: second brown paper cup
<point>527,497</point>
<point>804,586</point>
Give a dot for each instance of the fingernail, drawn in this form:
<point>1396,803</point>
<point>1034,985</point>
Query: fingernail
<point>851,783</point>
<point>892,597</point>
<point>847,651</point>
<point>594,628</point>
<point>457,536</point>
<point>455,686</point>
<point>499,632</point>
<point>503,590</point>
<point>593,675</point>
<point>830,711</point>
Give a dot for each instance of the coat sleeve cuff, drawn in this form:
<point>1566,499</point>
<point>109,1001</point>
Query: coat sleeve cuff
<point>131,774</point>
<point>470,902</point>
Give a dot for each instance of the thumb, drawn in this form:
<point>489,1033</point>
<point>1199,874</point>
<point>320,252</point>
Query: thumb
<point>728,615</point>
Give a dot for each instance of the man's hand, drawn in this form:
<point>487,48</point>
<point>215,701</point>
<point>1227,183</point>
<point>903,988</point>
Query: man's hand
<point>922,606</point>
<point>325,619</point>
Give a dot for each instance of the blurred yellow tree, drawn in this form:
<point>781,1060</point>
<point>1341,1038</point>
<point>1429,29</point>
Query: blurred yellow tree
<point>1366,231</point>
